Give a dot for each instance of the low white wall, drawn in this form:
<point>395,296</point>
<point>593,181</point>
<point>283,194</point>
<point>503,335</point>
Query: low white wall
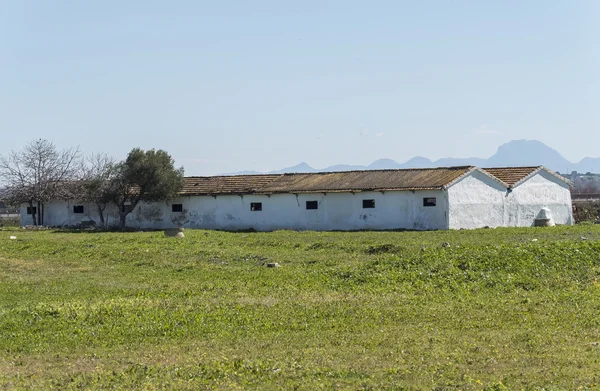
<point>336,211</point>
<point>478,201</point>
<point>60,213</point>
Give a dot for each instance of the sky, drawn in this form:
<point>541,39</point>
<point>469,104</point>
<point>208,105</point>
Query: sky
<point>226,86</point>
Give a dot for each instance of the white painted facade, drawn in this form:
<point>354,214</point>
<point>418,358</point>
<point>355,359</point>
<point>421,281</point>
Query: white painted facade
<point>541,190</point>
<point>476,200</point>
<point>336,211</point>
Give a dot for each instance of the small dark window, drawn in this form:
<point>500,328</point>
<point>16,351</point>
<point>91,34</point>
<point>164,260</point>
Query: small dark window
<point>177,208</point>
<point>256,206</point>
<point>31,210</point>
<point>78,209</point>
<point>368,204</point>
<point>127,208</point>
<point>429,201</point>
<point>312,205</point>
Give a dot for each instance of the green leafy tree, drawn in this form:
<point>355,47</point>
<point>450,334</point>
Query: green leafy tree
<point>144,176</point>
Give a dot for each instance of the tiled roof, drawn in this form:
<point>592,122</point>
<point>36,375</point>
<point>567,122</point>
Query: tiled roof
<point>347,181</point>
<point>234,184</point>
<point>410,179</point>
<point>511,175</point>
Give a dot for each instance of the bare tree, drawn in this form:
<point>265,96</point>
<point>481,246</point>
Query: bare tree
<point>39,173</point>
<point>99,170</point>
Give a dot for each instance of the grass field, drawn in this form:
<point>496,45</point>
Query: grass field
<point>497,309</point>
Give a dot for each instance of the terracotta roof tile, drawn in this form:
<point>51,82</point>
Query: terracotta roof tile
<point>511,175</point>
<point>235,184</point>
<point>377,180</point>
<point>409,179</point>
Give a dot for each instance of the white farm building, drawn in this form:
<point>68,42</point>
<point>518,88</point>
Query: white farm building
<point>420,199</point>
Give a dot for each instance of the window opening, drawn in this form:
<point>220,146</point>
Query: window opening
<point>429,201</point>
<point>312,205</point>
<point>368,204</point>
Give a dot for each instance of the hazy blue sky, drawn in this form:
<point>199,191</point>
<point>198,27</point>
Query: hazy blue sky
<point>233,85</point>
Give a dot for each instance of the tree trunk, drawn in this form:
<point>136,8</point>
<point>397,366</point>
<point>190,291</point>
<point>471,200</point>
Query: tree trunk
<point>32,214</point>
<point>124,210</point>
<point>39,212</point>
<point>101,215</point>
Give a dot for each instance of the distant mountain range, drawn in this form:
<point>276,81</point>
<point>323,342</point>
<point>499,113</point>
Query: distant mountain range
<point>513,153</point>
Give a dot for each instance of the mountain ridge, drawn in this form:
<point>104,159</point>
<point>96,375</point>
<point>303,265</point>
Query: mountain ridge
<point>511,154</point>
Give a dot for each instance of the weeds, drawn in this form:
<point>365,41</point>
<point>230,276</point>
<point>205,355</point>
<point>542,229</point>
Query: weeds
<point>346,310</point>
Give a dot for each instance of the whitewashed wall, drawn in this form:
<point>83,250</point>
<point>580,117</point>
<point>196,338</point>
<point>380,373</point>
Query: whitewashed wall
<point>60,213</point>
<point>541,190</point>
<point>477,201</point>
<point>337,211</point>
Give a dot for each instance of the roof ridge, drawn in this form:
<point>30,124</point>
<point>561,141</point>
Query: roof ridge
<point>507,167</point>
<point>232,176</point>
<point>334,172</point>
<point>381,170</point>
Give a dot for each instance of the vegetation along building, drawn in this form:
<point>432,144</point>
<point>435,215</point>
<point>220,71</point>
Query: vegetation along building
<point>421,199</point>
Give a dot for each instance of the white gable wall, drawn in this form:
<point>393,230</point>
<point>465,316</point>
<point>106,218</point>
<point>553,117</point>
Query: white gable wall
<point>477,201</point>
<point>542,190</point>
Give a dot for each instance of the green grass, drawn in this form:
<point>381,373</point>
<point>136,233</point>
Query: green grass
<point>9,221</point>
<point>360,310</point>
